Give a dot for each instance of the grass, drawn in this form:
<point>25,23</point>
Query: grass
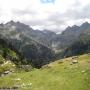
<point>5,65</point>
<point>59,75</point>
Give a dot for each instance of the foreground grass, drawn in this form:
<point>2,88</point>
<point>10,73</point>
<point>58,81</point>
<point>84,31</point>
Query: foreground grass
<point>59,75</point>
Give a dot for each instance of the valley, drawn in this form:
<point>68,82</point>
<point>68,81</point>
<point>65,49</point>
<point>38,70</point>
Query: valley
<point>43,60</point>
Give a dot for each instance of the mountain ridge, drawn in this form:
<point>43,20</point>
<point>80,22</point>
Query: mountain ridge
<point>40,47</point>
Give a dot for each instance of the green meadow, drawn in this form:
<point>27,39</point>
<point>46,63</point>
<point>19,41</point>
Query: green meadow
<point>58,75</point>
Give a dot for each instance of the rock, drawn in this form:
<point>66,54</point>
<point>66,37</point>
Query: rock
<point>74,57</point>
<point>18,79</point>
<point>83,71</point>
<point>23,85</point>
<point>74,61</point>
<point>30,84</point>
<point>6,72</point>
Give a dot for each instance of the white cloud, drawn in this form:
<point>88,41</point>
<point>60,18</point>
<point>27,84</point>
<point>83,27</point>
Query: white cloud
<point>53,16</point>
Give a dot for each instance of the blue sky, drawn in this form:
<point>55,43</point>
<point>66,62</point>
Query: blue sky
<point>52,16</point>
<point>47,1</point>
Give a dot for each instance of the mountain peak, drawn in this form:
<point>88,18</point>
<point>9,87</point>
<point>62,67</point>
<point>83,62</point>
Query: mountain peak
<point>86,24</point>
<point>10,22</point>
<point>75,26</point>
<point>68,28</point>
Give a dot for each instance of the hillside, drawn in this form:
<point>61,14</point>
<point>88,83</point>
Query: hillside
<point>9,58</point>
<point>59,75</point>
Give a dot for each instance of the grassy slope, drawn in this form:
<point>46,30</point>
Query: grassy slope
<point>57,76</point>
<point>6,65</point>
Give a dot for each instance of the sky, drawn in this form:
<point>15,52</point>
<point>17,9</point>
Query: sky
<point>54,15</point>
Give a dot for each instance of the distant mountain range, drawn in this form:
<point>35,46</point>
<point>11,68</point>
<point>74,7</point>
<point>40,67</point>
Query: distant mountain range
<point>41,47</point>
<point>70,35</point>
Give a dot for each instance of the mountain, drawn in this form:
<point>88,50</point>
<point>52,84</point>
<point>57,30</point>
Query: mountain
<point>47,38</point>
<point>69,35</point>
<point>81,46</point>
<point>28,42</point>
<point>41,47</point>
